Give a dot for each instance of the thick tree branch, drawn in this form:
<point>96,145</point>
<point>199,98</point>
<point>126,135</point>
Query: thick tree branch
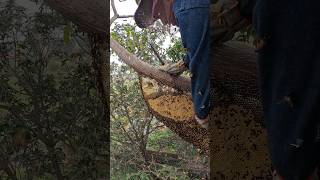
<point>143,68</point>
<point>234,57</point>
<point>91,15</point>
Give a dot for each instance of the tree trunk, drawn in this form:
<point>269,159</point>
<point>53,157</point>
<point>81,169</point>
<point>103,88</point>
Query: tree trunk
<point>101,65</point>
<point>91,16</point>
<point>55,164</point>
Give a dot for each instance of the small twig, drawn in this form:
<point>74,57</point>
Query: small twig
<point>85,49</point>
<point>114,8</point>
<point>157,54</point>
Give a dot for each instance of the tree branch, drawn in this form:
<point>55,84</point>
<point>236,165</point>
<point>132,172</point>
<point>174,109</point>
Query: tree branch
<point>143,68</point>
<point>180,83</point>
<point>156,53</point>
<point>113,6</point>
<point>5,107</point>
<point>91,15</point>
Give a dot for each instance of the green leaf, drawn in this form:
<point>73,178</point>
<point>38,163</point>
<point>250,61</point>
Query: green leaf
<point>67,33</point>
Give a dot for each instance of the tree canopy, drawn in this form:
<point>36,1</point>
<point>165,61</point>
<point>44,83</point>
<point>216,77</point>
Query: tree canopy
<point>52,118</point>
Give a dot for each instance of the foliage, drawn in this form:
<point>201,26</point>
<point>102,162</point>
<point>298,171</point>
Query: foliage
<point>131,138</point>
<point>52,121</point>
<point>130,121</point>
<point>139,42</point>
<point>134,131</point>
<point>176,51</point>
<point>160,140</point>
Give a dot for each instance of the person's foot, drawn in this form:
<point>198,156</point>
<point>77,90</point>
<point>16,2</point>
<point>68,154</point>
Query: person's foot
<point>204,123</point>
<point>174,69</point>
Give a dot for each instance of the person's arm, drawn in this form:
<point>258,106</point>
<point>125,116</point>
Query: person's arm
<point>228,17</point>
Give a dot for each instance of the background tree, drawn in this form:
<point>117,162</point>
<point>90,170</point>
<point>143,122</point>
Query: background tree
<point>52,116</point>
<point>141,145</point>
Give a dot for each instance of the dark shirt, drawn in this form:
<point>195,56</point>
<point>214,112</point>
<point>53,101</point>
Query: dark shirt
<point>289,72</point>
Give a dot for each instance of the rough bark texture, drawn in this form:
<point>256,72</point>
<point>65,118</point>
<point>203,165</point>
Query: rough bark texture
<point>101,64</point>
<point>92,16</point>
<point>143,68</point>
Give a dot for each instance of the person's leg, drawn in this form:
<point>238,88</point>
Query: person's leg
<point>229,17</point>
<point>194,28</point>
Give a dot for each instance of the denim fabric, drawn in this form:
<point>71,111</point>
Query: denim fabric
<point>182,5</point>
<point>193,20</point>
<point>289,76</point>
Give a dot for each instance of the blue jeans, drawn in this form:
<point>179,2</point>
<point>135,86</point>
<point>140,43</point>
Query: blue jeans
<point>193,20</point>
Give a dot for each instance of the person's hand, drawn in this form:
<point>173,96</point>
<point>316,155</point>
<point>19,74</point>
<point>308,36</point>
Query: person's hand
<point>226,20</point>
<point>175,69</point>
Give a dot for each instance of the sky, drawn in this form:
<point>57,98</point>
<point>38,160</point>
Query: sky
<point>127,7</point>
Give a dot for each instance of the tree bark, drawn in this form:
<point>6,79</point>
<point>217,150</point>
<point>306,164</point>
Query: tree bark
<point>55,164</point>
<point>92,16</point>
<point>143,68</point>
<point>101,64</point>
